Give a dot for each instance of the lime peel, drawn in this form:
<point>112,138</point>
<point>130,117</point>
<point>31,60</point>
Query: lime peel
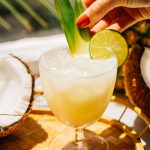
<point>106,43</point>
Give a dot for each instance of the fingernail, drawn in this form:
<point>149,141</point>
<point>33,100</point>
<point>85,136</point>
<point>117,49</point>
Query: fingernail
<point>83,21</point>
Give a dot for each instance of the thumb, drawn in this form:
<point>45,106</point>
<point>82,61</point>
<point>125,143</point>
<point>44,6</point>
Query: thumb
<point>96,11</point>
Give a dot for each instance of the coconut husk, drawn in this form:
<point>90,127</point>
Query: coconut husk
<point>135,87</point>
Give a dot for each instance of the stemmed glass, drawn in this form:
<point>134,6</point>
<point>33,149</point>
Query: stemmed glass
<point>78,90</point>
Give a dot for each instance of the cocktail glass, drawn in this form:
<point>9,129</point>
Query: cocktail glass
<point>78,90</point>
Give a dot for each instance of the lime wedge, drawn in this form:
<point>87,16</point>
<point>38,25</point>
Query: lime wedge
<point>107,42</point>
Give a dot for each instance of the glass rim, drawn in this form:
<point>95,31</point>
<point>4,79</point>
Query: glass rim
<point>75,77</point>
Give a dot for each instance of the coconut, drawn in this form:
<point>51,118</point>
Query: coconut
<point>16,93</point>
<point>145,66</point>
<point>136,78</point>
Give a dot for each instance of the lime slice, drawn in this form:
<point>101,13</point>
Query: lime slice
<point>107,42</point>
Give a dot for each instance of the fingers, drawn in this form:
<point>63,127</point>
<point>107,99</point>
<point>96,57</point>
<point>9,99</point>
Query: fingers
<point>118,19</point>
<point>145,13</point>
<point>96,11</point>
<point>107,20</point>
<point>87,3</point>
<point>102,24</point>
<point>122,23</point>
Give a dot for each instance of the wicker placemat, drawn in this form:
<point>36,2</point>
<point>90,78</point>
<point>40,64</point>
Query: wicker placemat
<point>42,127</point>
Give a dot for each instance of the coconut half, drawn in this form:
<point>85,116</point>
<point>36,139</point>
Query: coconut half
<point>136,84</point>
<point>16,89</point>
<point>145,66</point>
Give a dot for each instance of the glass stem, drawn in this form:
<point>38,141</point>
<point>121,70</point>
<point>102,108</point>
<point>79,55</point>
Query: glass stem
<point>78,135</point>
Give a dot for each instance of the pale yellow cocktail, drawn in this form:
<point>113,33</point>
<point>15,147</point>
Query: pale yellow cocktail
<point>77,89</point>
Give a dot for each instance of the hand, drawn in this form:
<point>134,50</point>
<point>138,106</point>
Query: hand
<point>113,14</point>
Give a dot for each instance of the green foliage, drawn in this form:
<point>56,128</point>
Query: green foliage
<point>67,19</point>
<point>78,39</point>
<point>24,11</point>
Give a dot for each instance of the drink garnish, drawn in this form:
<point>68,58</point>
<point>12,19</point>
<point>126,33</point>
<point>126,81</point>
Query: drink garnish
<point>78,39</point>
<point>106,43</point>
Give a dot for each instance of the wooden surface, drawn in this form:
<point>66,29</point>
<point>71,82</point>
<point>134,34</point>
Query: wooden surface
<point>40,129</point>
